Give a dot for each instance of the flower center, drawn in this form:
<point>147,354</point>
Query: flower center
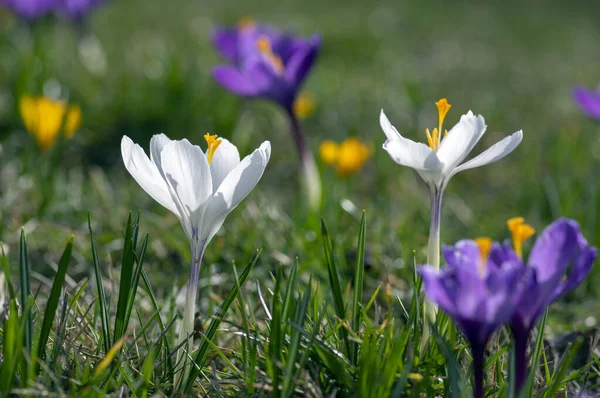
<point>485,246</point>
<point>520,233</point>
<point>435,137</point>
<point>213,143</point>
<point>264,46</point>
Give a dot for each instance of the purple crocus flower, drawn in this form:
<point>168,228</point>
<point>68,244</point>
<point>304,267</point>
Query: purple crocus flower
<point>588,101</point>
<point>266,63</point>
<point>560,247</point>
<point>270,64</point>
<point>478,295</point>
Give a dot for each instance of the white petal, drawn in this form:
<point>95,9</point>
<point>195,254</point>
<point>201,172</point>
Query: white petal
<point>460,141</point>
<point>225,158</point>
<point>493,153</point>
<point>415,155</point>
<point>390,131</point>
<point>188,177</point>
<point>157,143</point>
<point>146,174</point>
<point>234,188</point>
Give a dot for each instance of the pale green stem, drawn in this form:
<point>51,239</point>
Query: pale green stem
<point>187,327</point>
<point>309,178</point>
<point>433,253</point>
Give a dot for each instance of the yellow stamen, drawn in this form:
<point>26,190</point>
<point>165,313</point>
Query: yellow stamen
<point>213,143</point>
<point>443,107</point>
<point>485,247</point>
<point>264,46</point>
<point>435,137</point>
<point>246,23</point>
<point>520,233</point>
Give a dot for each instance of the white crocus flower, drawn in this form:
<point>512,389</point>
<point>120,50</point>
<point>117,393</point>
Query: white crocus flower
<point>200,188</point>
<point>437,162</point>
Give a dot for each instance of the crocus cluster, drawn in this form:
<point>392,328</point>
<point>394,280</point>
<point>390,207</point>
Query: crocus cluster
<point>45,118</point>
<point>486,285</point>
<point>31,10</point>
<point>270,64</point>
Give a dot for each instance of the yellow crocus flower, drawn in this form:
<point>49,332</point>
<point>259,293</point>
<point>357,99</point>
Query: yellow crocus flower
<point>348,157</point>
<point>44,118</point>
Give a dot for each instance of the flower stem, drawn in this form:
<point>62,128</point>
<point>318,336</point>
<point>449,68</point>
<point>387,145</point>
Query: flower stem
<point>520,340</point>
<point>433,253</point>
<point>187,327</point>
<point>478,363</point>
<point>433,247</point>
<point>310,178</point>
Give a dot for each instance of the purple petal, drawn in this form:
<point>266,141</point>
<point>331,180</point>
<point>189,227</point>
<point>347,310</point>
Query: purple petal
<point>581,269</point>
<point>588,101</point>
<point>464,254</point>
<point>437,289</point>
<point>234,80</point>
<point>501,254</point>
<point>554,250</point>
<point>225,41</point>
<point>301,61</point>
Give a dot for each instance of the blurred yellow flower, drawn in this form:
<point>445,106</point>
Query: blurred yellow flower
<point>44,118</point>
<point>348,157</point>
<point>304,105</point>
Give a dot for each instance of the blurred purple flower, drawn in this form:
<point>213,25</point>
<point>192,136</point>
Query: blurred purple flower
<point>77,9</point>
<point>34,9</point>
<point>560,247</point>
<point>271,64</point>
<point>477,294</point>
<point>588,101</point>
<point>30,9</point>
<point>267,63</point>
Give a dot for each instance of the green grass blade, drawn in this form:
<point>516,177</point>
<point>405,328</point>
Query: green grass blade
<point>52,303</point>
<point>359,273</point>
<point>275,335</point>
<point>25,291</point>
<point>201,354</point>
<point>100,287</point>
<point>136,280</point>
<point>334,281</point>
<point>294,344</point>
<point>6,268</point>
<point>565,363</point>
<point>127,267</point>
<point>12,353</point>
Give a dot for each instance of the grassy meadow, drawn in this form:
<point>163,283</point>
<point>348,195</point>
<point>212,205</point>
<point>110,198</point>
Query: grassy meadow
<point>297,326</point>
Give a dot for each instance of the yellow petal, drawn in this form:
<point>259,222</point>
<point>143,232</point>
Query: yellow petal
<point>73,120</point>
<point>352,156</point>
<point>328,150</point>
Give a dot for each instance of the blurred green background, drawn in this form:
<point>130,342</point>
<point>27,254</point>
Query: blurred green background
<point>139,67</point>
